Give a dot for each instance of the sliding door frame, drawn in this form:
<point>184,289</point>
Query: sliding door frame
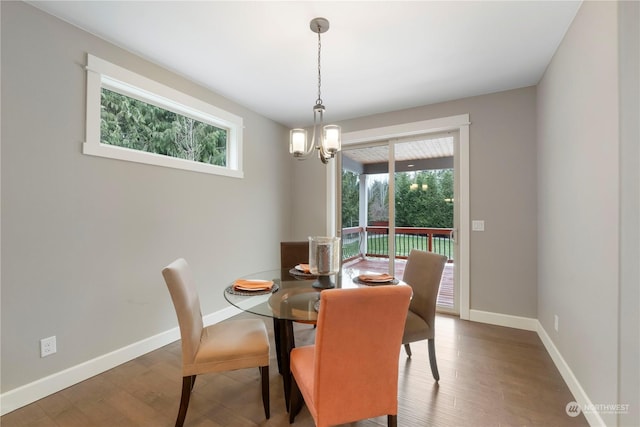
<point>458,123</point>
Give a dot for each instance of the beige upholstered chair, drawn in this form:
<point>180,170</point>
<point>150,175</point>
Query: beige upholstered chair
<point>423,273</point>
<point>351,373</point>
<point>225,346</point>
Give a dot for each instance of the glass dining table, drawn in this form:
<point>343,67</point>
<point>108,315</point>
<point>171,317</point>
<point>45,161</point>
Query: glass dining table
<point>294,297</point>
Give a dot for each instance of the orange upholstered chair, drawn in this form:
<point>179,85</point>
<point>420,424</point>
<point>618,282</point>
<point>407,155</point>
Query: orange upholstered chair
<point>224,346</point>
<point>351,373</point>
<point>423,273</point>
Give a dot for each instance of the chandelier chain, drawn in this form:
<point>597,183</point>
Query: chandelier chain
<point>319,100</point>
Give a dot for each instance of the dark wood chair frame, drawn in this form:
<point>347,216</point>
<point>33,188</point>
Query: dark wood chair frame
<point>189,381</point>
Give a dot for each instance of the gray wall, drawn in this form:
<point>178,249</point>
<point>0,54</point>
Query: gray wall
<point>84,238</point>
<point>502,190</point>
<point>629,319</point>
<point>581,203</point>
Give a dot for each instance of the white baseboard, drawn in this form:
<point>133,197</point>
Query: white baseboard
<point>29,393</point>
<point>580,396</point>
<point>517,322</point>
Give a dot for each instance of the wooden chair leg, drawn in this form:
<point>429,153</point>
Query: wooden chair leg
<point>264,374</point>
<point>432,359</point>
<point>187,386</point>
<point>407,349</point>
<point>296,400</point>
<point>392,421</point>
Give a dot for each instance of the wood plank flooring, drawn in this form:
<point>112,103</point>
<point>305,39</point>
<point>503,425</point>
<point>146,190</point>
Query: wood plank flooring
<point>490,376</point>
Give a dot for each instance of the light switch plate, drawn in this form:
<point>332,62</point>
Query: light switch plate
<point>477,225</point>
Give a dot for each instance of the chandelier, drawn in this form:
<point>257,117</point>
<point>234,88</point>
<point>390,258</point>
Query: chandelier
<point>328,142</point>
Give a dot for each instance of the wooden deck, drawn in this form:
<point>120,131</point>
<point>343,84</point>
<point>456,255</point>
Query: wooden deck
<point>381,265</point>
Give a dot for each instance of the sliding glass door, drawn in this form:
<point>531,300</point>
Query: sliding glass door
<point>397,195</point>
<point>424,201</point>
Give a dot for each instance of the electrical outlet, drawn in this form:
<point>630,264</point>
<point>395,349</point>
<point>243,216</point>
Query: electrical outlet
<point>555,322</point>
<point>47,346</point>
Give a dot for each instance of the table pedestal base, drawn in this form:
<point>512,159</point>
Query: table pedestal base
<point>285,342</point>
<point>324,282</point>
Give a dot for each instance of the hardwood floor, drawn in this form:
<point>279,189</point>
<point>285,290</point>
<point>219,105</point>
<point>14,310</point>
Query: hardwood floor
<point>490,376</point>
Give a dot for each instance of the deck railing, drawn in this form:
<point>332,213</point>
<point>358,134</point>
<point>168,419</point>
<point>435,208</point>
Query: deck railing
<point>374,241</point>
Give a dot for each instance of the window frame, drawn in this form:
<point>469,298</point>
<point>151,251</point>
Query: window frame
<point>103,74</point>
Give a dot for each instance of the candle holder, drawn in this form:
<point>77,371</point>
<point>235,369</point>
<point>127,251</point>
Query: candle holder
<point>324,260</point>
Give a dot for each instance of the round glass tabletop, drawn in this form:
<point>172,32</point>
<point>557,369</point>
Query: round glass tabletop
<point>293,296</point>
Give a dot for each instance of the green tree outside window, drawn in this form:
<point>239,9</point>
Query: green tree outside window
<point>130,123</point>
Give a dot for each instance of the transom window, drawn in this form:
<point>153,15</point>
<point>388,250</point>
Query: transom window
<point>131,117</point>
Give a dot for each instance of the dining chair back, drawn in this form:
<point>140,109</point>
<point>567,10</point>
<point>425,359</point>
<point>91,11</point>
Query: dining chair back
<point>293,253</point>
<point>423,273</point>
<point>224,346</point>
<point>351,373</point>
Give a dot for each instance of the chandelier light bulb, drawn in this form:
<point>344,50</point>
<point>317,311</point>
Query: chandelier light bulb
<point>331,139</point>
<point>297,142</point>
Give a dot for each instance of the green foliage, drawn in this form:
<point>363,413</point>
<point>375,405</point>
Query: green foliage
<point>378,201</point>
<point>129,123</point>
<point>423,199</point>
<point>350,198</point>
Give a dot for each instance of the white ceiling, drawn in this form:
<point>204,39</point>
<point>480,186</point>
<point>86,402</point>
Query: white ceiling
<point>378,56</point>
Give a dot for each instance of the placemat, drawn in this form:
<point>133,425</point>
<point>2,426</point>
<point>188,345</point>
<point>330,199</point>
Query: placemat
<point>229,289</point>
<point>295,272</point>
